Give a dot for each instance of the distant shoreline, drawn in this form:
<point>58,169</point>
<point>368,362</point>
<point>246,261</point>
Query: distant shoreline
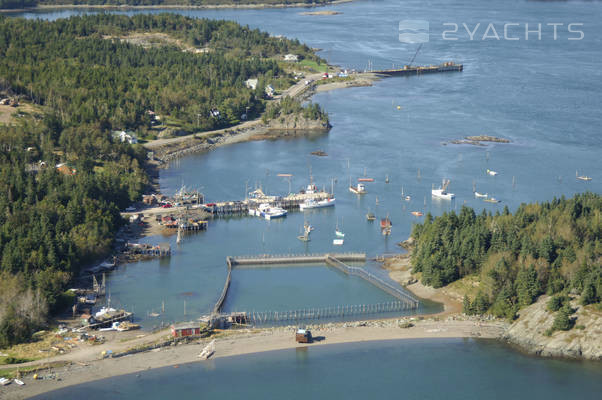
<point>44,7</point>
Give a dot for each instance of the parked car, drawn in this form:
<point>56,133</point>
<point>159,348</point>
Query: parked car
<point>166,205</point>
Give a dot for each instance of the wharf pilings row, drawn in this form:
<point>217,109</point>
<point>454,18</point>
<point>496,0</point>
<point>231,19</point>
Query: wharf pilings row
<point>333,312</point>
<point>405,300</point>
<point>267,259</point>
<point>220,302</point>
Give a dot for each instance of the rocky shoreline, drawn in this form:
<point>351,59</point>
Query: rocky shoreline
<point>583,341</point>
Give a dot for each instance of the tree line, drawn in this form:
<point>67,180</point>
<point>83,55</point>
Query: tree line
<point>552,247</point>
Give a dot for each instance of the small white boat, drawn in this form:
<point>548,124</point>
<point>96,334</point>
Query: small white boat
<point>311,203</point>
<point>491,172</point>
<point>19,382</point>
<point>4,381</point>
<point>477,194</point>
<point>492,200</point>
<point>268,212</point>
<point>338,233</point>
<point>338,242</point>
<point>207,351</point>
<point>582,177</point>
<point>407,198</point>
<point>441,192</point>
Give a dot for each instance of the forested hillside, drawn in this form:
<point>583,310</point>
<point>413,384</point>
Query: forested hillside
<point>553,247</point>
<point>63,178</point>
<point>181,2</point>
<point>82,68</point>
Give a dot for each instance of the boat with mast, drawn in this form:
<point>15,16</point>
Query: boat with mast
<point>442,193</point>
<point>385,225</point>
<point>582,177</point>
<point>337,231</point>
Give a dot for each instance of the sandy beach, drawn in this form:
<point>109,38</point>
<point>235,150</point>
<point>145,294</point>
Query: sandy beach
<point>250,341</point>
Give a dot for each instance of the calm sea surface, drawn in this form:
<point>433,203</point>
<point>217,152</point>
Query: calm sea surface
<point>543,95</point>
<point>410,369</point>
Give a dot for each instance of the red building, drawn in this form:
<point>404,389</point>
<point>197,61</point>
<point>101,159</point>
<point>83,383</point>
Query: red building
<point>185,329</point>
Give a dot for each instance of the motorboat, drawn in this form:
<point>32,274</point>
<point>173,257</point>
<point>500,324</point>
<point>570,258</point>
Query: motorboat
<point>491,172</point>
<point>311,203</point>
<point>268,212</point>
<point>477,194</point>
<point>359,189</point>
<point>441,193</point>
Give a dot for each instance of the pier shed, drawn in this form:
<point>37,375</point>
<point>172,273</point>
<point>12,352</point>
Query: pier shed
<point>185,329</point>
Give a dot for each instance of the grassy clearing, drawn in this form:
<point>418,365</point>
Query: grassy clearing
<point>312,65</point>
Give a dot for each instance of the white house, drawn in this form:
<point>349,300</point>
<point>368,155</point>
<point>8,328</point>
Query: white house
<point>124,136</point>
<point>291,57</point>
<point>251,83</point>
<point>269,90</point>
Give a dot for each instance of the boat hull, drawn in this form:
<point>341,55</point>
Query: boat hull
<point>317,204</point>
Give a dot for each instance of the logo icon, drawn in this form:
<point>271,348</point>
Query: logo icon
<point>413,31</point>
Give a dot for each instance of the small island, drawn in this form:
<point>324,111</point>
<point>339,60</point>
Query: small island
<point>478,140</point>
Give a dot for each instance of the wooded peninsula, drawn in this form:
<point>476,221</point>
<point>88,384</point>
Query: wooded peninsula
<point>64,175</point>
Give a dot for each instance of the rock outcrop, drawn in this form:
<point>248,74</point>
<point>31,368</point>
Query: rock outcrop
<point>584,340</point>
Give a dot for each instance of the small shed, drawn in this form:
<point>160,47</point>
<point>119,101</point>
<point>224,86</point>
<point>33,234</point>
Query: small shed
<point>185,329</point>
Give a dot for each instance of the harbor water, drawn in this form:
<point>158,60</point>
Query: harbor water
<point>542,95</point>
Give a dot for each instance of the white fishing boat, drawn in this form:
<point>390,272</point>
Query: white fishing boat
<point>491,172</point>
<point>311,203</point>
<point>359,189</point>
<point>477,194</point>
<point>441,193</point>
<point>338,242</point>
<point>268,212</point>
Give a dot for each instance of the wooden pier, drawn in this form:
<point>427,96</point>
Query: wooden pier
<point>405,301</point>
<point>419,70</point>
<point>290,202</point>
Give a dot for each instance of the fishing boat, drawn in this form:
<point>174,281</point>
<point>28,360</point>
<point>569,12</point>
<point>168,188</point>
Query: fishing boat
<point>417,213</point>
<point>385,225</point>
<point>365,179</point>
<point>319,153</point>
<point>268,212</point>
<point>407,198</point>
<point>338,242</point>
<point>477,194</point>
<point>311,203</point>
<point>359,189</point>
<point>582,177</point>
<point>370,216</point>
<point>385,222</point>
<point>491,172</point>
<point>492,200</point>
<point>387,179</point>
<point>441,193</point>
